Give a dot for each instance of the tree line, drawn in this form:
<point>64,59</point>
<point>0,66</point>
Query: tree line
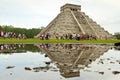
<point>30,33</point>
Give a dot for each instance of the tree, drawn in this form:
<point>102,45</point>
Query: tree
<point>117,35</point>
<point>0,27</point>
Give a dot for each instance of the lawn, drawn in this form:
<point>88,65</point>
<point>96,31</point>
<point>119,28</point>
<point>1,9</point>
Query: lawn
<point>57,41</point>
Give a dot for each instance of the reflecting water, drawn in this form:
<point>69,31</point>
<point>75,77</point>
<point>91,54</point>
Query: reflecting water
<point>59,62</point>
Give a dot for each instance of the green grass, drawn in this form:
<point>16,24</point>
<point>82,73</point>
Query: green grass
<point>57,41</point>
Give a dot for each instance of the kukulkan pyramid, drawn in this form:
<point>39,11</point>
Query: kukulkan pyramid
<point>72,20</point>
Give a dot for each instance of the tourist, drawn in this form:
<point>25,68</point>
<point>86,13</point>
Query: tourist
<point>40,36</point>
<point>47,36</point>
<point>78,36</point>
<point>19,36</point>
<point>70,36</point>
<point>66,36</point>
<point>23,36</point>
<point>43,36</point>
<point>87,36</point>
<point>1,33</point>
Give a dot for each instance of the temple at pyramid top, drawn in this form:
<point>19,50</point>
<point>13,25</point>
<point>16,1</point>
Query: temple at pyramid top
<point>70,7</point>
<point>71,20</point>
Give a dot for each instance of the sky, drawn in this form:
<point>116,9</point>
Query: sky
<point>38,13</point>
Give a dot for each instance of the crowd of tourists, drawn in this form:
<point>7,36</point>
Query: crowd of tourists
<point>11,35</point>
<point>76,37</point>
<point>69,36</point>
<point>45,36</point>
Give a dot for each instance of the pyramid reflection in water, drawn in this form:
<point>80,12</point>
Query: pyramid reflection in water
<point>70,58</point>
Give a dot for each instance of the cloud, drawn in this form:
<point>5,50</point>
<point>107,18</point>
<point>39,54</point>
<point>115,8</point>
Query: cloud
<point>38,13</point>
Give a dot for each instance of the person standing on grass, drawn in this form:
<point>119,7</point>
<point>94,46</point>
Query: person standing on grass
<point>1,33</point>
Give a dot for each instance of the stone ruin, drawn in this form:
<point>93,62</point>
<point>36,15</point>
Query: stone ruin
<point>72,20</point>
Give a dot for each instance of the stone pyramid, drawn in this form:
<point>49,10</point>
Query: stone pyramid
<point>71,20</point>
